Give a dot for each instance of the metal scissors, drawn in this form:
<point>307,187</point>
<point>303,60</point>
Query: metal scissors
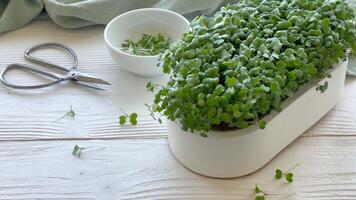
<point>66,73</point>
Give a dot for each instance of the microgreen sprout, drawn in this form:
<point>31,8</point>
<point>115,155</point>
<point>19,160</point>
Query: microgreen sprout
<point>150,86</point>
<point>154,114</point>
<point>288,175</point>
<point>257,189</point>
<point>132,118</point>
<point>77,150</point>
<point>262,124</point>
<point>260,195</point>
<point>322,88</point>
<point>148,45</point>
<point>69,113</point>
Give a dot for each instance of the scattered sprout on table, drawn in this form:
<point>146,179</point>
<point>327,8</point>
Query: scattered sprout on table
<point>77,150</point>
<point>132,118</point>
<point>260,195</point>
<point>288,175</point>
<point>154,113</point>
<point>70,113</point>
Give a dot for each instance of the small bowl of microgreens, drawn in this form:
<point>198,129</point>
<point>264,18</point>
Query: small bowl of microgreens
<point>137,38</point>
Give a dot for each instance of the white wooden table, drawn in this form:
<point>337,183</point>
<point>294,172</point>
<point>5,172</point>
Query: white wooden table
<point>132,163</point>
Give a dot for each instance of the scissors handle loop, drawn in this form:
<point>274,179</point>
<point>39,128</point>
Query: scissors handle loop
<point>47,63</point>
<point>57,79</point>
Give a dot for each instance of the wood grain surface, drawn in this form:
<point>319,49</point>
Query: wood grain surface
<point>129,163</point>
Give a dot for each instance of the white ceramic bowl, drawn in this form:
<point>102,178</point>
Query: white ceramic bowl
<point>131,25</point>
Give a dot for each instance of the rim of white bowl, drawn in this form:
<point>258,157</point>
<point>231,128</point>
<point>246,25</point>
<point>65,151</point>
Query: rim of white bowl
<point>135,11</point>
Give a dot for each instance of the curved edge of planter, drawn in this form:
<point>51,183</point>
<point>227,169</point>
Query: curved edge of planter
<point>240,152</point>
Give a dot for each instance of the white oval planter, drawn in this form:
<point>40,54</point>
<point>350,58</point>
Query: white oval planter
<point>236,153</point>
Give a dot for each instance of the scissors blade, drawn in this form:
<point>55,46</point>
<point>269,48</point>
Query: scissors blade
<point>90,79</point>
<point>89,86</point>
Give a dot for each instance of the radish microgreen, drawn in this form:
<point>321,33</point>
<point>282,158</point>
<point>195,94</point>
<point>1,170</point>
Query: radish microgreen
<point>322,88</point>
<point>287,175</point>
<point>77,150</point>
<point>260,195</point>
<point>69,113</point>
<point>132,119</point>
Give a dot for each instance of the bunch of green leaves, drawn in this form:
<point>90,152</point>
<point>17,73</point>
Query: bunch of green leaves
<point>148,45</point>
<point>236,67</point>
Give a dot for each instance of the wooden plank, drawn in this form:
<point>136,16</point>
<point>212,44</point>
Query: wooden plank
<point>145,169</point>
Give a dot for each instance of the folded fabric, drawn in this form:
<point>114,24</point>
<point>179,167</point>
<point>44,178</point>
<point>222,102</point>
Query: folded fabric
<point>78,13</point>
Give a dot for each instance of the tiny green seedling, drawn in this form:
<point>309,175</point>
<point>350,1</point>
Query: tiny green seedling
<point>288,175</point>
<point>257,189</point>
<point>150,86</point>
<point>260,198</point>
<point>260,195</point>
<point>322,88</point>
<point>262,124</point>
<point>77,150</point>
<point>132,118</point>
<point>153,113</point>
<point>70,113</point>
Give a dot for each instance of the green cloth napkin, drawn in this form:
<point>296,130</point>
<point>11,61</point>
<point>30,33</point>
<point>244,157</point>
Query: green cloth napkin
<point>78,13</point>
